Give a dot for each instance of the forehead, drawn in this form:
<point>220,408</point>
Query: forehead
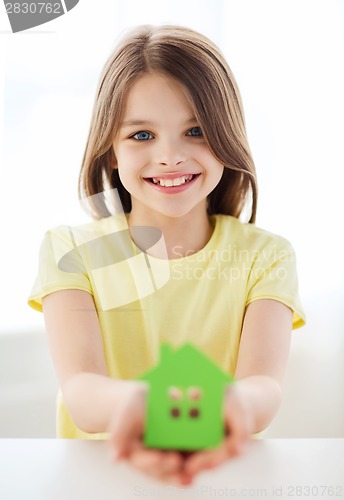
<point>157,93</point>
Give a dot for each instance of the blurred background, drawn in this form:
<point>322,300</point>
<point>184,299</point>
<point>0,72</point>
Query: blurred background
<point>287,57</point>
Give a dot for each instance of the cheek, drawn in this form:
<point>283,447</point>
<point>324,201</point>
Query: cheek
<point>215,166</point>
<point>129,164</point>
<point>210,160</point>
<point>130,158</point>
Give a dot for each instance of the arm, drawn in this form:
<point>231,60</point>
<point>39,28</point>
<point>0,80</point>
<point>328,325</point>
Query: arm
<point>262,358</point>
<point>96,402</point>
<point>76,347</point>
<point>252,401</point>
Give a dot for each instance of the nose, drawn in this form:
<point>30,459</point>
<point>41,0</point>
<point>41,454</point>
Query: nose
<point>170,153</point>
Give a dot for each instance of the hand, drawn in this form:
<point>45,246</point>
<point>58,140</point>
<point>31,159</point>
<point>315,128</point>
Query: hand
<point>126,431</point>
<point>238,427</point>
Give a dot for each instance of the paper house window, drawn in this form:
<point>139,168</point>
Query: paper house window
<point>184,406</point>
<point>176,394</point>
<point>194,393</point>
<point>194,413</point>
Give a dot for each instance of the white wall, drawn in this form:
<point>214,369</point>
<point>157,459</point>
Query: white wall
<point>28,386</point>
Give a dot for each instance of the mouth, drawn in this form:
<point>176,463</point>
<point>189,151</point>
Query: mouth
<point>168,182</point>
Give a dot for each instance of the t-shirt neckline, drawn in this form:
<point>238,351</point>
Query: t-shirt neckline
<point>215,220</point>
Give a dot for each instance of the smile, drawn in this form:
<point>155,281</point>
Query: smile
<point>172,182</point>
<point>175,185</point>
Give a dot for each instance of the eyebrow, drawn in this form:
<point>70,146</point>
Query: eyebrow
<point>130,123</point>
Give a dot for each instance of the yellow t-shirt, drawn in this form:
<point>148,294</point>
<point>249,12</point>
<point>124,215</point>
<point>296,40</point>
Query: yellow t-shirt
<point>142,300</point>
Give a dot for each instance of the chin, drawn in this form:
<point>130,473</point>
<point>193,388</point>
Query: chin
<point>175,214</point>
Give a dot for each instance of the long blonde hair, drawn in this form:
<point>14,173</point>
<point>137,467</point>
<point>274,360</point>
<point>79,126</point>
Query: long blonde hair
<point>195,62</point>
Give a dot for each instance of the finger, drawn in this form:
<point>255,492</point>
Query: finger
<point>238,432</point>
<point>236,440</point>
<point>121,440</point>
<point>156,458</point>
<point>127,424</point>
<point>171,462</point>
<point>156,462</point>
<point>170,477</point>
<point>144,459</point>
<point>166,466</point>
<point>205,460</point>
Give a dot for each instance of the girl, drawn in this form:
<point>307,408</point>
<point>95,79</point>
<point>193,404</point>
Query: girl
<point>176,265</point>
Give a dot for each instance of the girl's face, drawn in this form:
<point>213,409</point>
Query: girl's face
<point>162,159</point>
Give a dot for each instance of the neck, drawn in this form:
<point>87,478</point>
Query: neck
<point>182,236</point>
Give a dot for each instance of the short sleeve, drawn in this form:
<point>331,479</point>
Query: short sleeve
<point>274,276</point>
<point>52,276</point>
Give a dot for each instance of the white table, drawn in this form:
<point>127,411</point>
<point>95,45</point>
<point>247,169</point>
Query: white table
<point>50,469</point>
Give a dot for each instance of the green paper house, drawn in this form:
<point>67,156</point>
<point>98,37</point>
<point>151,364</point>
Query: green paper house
<point>184,408</point>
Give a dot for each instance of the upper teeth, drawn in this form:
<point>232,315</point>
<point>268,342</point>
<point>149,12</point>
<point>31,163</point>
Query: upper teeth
<point>172,182</point>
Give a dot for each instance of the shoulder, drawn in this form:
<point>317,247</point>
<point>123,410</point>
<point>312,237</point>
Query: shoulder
<point>249,236</point>
<point>74,247</point>
<point>83,233</point>
<point>231,229</point>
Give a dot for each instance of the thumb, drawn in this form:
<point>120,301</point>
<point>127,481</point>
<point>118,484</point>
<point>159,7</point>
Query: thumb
<point>236,422</point>
<point>127,423</point>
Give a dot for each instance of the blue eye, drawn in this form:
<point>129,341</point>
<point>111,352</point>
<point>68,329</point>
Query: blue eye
<point>195,132</point>
<point>142,136</point>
